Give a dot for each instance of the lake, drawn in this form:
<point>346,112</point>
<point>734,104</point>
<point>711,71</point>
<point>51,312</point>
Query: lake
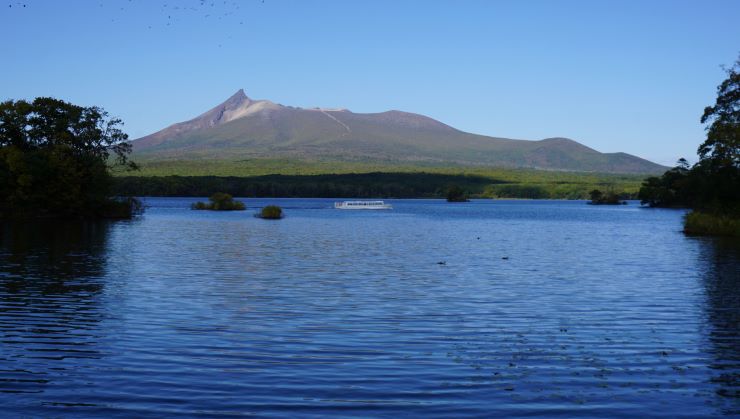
<point>479,309</point>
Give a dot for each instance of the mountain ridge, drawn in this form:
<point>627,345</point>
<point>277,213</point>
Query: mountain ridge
<point>241,127</point>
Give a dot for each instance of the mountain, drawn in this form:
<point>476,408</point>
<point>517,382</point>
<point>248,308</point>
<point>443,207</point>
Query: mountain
<point>243,128</point>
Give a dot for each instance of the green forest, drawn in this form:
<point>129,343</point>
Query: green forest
<point>512,184</point>
<point>711,187</point>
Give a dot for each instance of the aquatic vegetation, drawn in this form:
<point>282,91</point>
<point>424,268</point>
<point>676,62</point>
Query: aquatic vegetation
<point>271,212</point>
<point>701,223</point>
<point>220,201</point>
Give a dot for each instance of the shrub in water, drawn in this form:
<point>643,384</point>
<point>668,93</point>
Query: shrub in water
<point>220,201</point>
<point>271,212</point>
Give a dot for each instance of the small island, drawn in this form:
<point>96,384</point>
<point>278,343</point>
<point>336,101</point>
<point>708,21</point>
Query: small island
<point>457,194</point>
<point>220,201</point>
<point>271,212</point>
<point>608,198</point>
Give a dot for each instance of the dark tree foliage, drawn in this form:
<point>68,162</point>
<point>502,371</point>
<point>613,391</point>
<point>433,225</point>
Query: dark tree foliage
<point>608,198</point>
<point>220,201</point>
<point>713,184</point>
<point>456,194</point>
<point>524,192</point>
<point>595,195</point>
<point>56,158</point>
<point>722,146</point>
<point>271,212</point>
<point>670,190</point>
<point>355,185</point>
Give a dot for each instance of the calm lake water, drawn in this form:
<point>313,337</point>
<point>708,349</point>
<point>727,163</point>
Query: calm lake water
<point>540,308</point>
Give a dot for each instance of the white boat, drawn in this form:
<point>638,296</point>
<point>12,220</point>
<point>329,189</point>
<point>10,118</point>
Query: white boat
<point>362,205</point>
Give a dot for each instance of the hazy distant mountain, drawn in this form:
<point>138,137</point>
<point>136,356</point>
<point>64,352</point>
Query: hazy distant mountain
<point>243,128</point>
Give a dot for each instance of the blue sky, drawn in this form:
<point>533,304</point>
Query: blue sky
<point>630,76</point>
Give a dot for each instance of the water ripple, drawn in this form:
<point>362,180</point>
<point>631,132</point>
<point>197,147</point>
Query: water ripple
<point>538,309</point>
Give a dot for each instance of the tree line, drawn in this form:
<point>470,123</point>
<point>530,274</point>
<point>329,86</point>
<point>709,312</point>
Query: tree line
<point>711,187</point>
<point>360,185</point>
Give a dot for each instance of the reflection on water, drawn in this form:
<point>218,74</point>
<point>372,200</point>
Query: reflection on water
<point>52,273</point>
<point>538,309</point>
<point>721,276</point>
<point>49,256</point>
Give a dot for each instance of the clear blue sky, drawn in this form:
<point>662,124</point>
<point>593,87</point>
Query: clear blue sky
<point>629,76</point>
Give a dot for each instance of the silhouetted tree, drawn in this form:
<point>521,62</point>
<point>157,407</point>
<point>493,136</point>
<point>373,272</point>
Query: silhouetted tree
<point>712,186</point>
<point>456,194</point>
<point>722,146</point>
<point>673,189</point>
<point>56,158</point>
<point>608,198</point>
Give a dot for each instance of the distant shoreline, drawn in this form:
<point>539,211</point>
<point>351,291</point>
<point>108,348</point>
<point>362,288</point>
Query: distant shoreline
<point>384,185</point>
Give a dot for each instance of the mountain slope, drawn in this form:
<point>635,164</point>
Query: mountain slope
<point>242,128</point>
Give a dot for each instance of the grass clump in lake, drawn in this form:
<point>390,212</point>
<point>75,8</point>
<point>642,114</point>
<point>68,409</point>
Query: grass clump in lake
<point>701,223</point>
<point>220,201</point>
<point>271,212</point>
